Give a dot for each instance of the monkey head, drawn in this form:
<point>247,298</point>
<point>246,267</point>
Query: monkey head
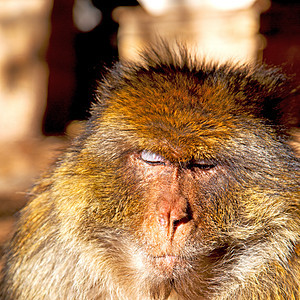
<point>186,160</point>
<point>182,184</point>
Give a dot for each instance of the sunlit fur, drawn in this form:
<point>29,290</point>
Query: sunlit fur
<point>94,227</point>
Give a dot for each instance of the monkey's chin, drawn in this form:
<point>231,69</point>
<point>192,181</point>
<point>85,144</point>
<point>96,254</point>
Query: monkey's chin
<point>165,266</point>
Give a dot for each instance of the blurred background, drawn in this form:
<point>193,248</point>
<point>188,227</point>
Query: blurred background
<point>52,52</point>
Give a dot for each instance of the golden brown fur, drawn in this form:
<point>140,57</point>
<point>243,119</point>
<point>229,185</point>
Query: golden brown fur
<point>182,186</point>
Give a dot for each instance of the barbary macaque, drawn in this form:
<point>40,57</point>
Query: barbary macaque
<point>182,186</point>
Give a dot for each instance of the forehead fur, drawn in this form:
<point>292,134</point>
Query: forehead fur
<point>172,98</point>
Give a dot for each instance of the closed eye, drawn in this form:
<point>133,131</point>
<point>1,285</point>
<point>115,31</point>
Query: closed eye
<point>201,164</point>
<point>152,158</point>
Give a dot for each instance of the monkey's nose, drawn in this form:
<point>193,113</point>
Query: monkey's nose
<point>173,216</point>
<point>167,219</point>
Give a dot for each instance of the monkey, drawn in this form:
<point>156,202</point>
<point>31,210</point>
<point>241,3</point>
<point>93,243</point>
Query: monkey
<point>182,185</point>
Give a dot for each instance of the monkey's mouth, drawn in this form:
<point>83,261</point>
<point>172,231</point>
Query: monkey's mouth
<point>166,259</point>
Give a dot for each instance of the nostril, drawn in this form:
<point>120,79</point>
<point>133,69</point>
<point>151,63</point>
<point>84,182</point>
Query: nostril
<point>180,221</point>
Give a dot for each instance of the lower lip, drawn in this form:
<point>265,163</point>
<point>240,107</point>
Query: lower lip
<point>168,259</point>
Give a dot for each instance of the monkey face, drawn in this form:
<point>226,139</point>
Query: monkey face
<point>173,193</point>
<point>177,225</point>
<point>186,160</point>
<point>177,165</point>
